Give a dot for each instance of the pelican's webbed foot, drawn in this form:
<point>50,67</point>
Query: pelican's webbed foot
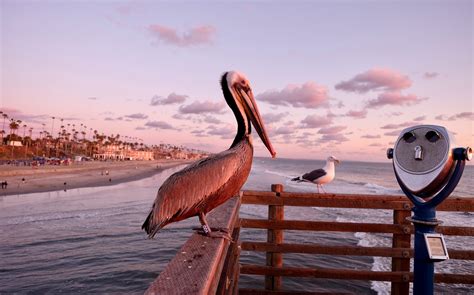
<point>214,232</point>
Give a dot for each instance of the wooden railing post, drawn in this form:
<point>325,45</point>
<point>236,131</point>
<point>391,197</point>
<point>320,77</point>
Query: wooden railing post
<point>402,241</point>
<point>275,236</point>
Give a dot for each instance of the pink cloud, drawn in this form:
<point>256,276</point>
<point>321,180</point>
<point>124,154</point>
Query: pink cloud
<point>333,137</point>
<point>225,132</point>
<point>331,130</point>
<point>393,133</point>
<point>357,114</point>
<point>314,121</point>
<point>420,118</point>
<point>398,126</point>
<point>394,98</point>
<point>159,125</point>
<point>307,95</point>
<point>202,107</point>
<point>463,115</point>
<point>211,120</point>
<point>430,75</point>
<point>274,117</point>
<point>195,36</point>
<point>138,116</point>
<point>377,79</point>
<point>284,130</point>
<point>369,136</point>
<point>172,98</point>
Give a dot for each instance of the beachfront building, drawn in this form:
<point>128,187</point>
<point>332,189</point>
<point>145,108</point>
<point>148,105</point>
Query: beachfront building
<point>120,152</point>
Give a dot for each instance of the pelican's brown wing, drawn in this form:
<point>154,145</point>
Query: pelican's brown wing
<point>184,193</point>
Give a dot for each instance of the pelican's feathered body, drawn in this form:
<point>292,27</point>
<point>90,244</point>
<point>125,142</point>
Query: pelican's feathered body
<point>320,176</point>
<point>206,184</point>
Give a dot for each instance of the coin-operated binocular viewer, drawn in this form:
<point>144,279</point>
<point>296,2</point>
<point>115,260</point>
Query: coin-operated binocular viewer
<point>427,168</point>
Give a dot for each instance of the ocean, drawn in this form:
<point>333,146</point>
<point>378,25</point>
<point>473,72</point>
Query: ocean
<point>89,240</point>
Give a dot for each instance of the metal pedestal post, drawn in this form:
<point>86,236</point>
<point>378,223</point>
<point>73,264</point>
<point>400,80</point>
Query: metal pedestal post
<point>424,220</point>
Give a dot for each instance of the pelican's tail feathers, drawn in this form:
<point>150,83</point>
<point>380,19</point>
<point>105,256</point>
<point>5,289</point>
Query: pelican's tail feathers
<point>150,228</point>
<point>298,179</point>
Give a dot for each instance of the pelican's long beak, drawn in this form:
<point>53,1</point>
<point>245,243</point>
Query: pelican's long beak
<point>252,111</point>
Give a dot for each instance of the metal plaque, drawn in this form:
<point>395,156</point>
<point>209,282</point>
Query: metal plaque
<point>436,246</point>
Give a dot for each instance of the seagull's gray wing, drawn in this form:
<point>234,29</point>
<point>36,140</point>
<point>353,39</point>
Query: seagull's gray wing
<point>313,175</point>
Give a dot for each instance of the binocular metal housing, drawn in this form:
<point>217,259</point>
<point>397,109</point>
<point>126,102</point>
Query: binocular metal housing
<point>424,159</point>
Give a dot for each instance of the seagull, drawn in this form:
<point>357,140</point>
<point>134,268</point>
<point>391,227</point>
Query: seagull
<point>320,176</point>
<point>208,183</point>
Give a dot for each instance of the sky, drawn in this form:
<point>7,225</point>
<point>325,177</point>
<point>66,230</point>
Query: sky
<point>338,78</point>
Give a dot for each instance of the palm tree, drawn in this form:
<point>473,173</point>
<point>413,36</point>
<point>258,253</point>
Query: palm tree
<point>5,116</point>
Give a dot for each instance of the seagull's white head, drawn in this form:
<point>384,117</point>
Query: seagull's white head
<point>333,159</point>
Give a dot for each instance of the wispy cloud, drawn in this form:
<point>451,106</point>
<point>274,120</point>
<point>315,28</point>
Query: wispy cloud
<point>430,75</point>
<point>315,121</point>
<point>459,116</point>
<point>371,136</point>
<point>333,138</point>
<point>225,132</point>
<point>393,133</point>
<point>202,108</point>
<point>26,118</point>
<point>172,98</point>
<point>331,129</point>
<point>138,116</point>
<point>195,36</point>
<point>356,114</point>
<point>307,95</point>
<point>159,125</point>
<point>395,99</point>
<point>284,130</point>
<point>398,126</point>
<point>274,117</point>
<point>420,118</point>
<point>377,79</point>
<point>92,98</point>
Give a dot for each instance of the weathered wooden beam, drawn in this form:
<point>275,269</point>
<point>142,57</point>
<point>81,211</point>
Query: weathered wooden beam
<point>336,201</point>
<point>349,201</point>
<point>348,274</point>
<point>197,266</point>
<point>328,249</point>
<point>455,230</point>
<point>324,226</point>
<point>346,250</point>
<point>274,236</point>
<point>268,292</point>
<point>230,271</point>
<point>450,278</point>
<point>401,263</point>
<point>326,273</point>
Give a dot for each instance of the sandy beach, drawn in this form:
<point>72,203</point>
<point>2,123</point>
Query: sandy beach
<point>83,174</point>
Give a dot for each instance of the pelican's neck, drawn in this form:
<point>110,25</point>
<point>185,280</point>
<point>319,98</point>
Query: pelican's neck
<point>243,123</point>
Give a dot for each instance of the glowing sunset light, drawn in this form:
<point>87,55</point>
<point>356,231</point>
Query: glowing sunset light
<point>330,78</point>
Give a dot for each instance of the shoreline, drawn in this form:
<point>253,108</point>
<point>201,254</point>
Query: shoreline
<point>89,174</point>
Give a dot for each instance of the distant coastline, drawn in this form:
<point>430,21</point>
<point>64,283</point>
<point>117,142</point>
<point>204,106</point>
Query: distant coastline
<point>25,179</point>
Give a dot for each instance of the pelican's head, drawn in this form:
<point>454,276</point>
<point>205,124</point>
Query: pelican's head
<point>241,96</point>
<point>333,159</point>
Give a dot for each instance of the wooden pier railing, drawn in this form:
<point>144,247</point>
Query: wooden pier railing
<point>211,266</point>
<point>205,265</point>
<point>401,231</point>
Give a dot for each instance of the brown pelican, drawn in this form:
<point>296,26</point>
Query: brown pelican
<point>206,184</point>
<point>320,176</point>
